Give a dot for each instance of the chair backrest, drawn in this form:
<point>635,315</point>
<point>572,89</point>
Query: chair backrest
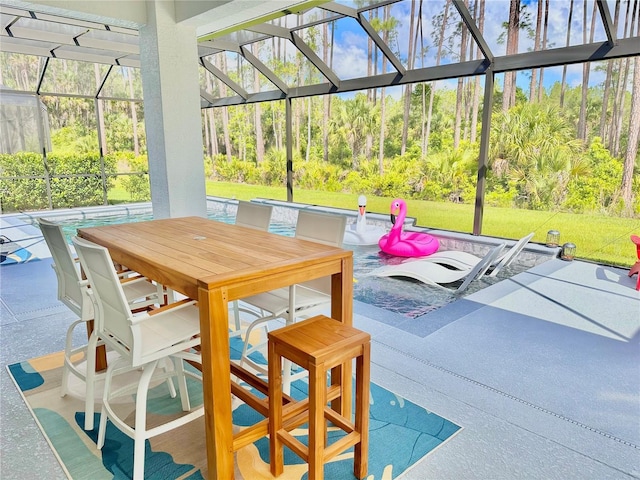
<point>482,266</point>
<point>324,228</point>
<point>67,271</point>
<point>511,254</point>
<point>254,215</point>
<point>636,239</point>
<point>320,227</point>
<point>112,312</point>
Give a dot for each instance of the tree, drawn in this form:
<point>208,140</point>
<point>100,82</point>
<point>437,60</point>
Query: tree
<point>564,67</point>
<point>513,32</point>
<point>258,112</point>
<point>460,86</point>
<point>408,88</point>
<point>442,19</point>
<point>632,142</point>
<point>479,9</point>
<point>536,47</point>
<point>355,122</point>
<point>534,149</point>
<point>582,121</point>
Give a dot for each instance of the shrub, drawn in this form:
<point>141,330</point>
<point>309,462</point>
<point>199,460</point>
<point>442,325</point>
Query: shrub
<point>74,180</point>
<point>137,185</point>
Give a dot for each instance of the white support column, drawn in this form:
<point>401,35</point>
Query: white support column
<point>170,82</point>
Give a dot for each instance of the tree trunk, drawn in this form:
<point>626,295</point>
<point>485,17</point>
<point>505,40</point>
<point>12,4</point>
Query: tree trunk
<point>476,83</point>
<point>632,143</point>
<point>545,36</point>
<point>460,87</point>
<point>513,33</point>
<point>326,98</point>
<point>536,47</point>
<point>563,84</point>
<point>408,88</point>
<point>213,133</point>
<point>621,88</point>
<point>443,28</point>
<point>225,111</point>
<point>383,101</point>
<point>102,141</point>
<point>307,153</point>
<point>258,113</point>
<point>604,133</point>
<point>582,120</point>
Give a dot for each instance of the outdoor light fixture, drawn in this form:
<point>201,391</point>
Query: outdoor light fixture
<point>568,252</point>
<point>553,238</point>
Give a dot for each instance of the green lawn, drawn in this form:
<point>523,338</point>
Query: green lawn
<point>598,238</point>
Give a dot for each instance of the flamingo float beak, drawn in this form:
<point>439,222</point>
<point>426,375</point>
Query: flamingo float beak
<point>394,212</point>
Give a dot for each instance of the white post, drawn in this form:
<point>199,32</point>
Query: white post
<point>170,82</point>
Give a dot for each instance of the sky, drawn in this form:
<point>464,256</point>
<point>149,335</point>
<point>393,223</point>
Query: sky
<point>350,49</point>
<point>350,42</point>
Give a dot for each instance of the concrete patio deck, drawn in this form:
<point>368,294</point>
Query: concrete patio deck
<point>542,372</point>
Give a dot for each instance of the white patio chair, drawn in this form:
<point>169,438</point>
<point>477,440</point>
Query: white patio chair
<point>297,301</point>
<point>142,340</point>
<point>466,261</point>
<point>72,291</point>
<point>436,274</point>
<point>256,216</point>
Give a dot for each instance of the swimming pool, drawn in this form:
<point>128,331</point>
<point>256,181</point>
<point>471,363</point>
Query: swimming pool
<point>402,296</point>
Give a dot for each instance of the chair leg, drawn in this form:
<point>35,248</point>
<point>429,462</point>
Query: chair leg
<point>182,384</point>
<point>90,381</point>
<point>139,435</point>
<point>68,347</point>
<point>169,367</point>
<point>102,430</point>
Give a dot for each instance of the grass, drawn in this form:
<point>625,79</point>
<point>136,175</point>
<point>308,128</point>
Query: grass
<point>599,238</point>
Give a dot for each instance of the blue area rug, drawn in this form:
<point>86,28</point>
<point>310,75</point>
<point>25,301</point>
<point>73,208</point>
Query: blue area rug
<point>20,255</point>
<point>401,433</point>
<point>12,253</point>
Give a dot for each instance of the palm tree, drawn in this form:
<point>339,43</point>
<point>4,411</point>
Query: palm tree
<point>534,148</point>
<point>355,120</point>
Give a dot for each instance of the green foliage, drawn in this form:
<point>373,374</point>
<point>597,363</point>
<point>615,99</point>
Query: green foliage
<point>137,185</point>
<point>74,139</point>
<point>22,193</point>
<point>598,191</point>
<point>73,179</point>
<point>274,170</point>
<point>532,147</point>
<point>235,170</point>
<point>69,190</point>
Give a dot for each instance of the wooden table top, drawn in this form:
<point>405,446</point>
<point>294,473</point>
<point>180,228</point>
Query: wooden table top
<point>184,253</point>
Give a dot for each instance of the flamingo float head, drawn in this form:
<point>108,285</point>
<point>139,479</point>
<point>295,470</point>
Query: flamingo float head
<point>397,207</point>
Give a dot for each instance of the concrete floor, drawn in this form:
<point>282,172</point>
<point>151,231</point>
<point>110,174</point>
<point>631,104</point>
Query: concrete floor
<point>541,371</point>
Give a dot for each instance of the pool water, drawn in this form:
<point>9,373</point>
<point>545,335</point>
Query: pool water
<point>403,296</point>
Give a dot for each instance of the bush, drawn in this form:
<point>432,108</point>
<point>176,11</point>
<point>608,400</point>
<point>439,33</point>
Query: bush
<point>22,193</point>
<point>74,180</point>
<point>137,186</point>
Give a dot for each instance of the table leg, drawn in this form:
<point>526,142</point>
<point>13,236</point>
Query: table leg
<point>101,351</point>
<point>216,382</point>
<point>342,310</point>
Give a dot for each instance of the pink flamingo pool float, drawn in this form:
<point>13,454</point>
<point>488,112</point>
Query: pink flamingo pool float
<point>406,244</point>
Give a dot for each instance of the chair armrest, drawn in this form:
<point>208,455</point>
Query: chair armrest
<point>187,302</point>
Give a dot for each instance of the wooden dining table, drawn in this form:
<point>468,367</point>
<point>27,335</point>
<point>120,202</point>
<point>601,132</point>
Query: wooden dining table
<point>216,263</point>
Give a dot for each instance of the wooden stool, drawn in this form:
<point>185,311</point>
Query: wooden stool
<point>318,345</point>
